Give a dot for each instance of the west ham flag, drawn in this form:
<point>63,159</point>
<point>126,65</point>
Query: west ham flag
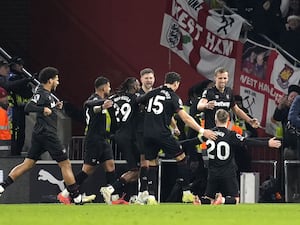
<point>203,38</point>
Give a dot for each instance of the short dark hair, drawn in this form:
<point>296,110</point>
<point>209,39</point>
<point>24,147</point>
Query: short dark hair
<point>294,88</point>
<point>47,73</point>
<point>146,70</point>
<point>172,77</point>
<point>222,115</point>
<point>220,70</point>
<point>100,81</point>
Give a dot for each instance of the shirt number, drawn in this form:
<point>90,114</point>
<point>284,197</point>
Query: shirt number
<point>222,150</point>
<point>122,113</point>
<point>155,104</point>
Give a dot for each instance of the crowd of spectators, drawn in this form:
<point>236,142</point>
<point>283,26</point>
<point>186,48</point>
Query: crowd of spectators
<point>19,89</point>
<point>279,20</point>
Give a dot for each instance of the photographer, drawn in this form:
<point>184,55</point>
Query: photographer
<point>19,96</point>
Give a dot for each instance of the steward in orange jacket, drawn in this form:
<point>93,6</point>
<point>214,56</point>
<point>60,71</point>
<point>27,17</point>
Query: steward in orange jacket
<point>5,133</point>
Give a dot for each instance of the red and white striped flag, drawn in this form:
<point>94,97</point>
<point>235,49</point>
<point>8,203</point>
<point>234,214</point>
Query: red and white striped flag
<point>261,94</point>
<point>201,37</point>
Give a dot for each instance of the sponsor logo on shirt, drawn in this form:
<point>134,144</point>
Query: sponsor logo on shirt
<point>222,104</point>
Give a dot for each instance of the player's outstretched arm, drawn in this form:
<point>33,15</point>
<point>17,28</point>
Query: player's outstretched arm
<point>187,119</point>
<point>273,143</point>
<point>241,114</point>
<point>254,123</point>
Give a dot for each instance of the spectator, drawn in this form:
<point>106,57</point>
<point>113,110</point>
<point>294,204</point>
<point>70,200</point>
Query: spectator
<point>18,98</point>
<point>4,72</point>
<point>10,85</point>
<point>245,8</point>
<point>294,120</point>
<point>294,8</point>
<point>267,18</point>
<point>5,134</point>
<point>290,35</point>
<point>294,114</point>
<point>290,7</point>
<point>289,140</point>
<point>281,114</point>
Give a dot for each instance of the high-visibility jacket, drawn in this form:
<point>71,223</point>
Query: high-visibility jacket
<point>234,127</point>
<point>5,133</point>
<point>230,125</point>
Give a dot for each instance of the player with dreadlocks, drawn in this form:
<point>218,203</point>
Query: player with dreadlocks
<point>125,108</point>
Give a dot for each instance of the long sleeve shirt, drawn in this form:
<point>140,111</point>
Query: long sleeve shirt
<point>294,113</point>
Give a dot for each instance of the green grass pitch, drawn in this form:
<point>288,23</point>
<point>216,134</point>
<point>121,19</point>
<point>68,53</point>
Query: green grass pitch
<point>169,214</point>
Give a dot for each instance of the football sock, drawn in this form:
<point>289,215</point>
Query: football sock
<point>152,179</point>
<point>8,181</point>
<point>118,184</point>
<point>183,173</point>
<point>144,179</point>
<point>73,189</point>
<point>80,177</point>
<point>230,200</point>
<point>110,177</point>
<point>205,201</point>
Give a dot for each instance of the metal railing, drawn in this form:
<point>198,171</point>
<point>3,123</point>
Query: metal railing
<point>8,57</point>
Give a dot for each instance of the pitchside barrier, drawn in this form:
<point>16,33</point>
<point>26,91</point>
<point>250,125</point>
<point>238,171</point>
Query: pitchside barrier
<point>266,168</point>
<point>250,181</point>
<point>4,148</point>
<point>249,187</point>
<point>292,180</point>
